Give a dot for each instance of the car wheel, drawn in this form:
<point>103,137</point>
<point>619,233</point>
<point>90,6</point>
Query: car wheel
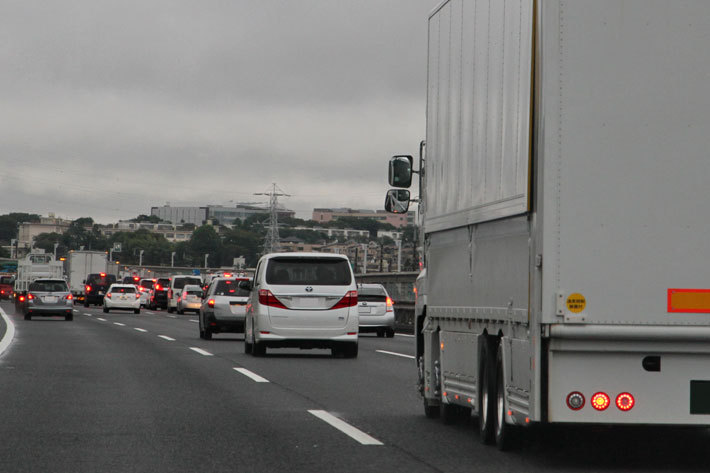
<point>208,334</point>
<point>86,302</point>
<point>69,317</point>
<point>170,310</point>
<point>350,350</point>
<point>258,349</point>
<point>247,345</point>
<point>105,310</point>
<point>380,332</point>
<point>390,333</point>
<point>180,311</point>
<point>28,316</point>
<point>136,311</point>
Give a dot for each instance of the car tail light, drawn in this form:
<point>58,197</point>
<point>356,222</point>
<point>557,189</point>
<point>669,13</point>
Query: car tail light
<point>22,298</point>
<point>170,293</point>
<point>227,275</point>
<point>348,300</point>
<point>625,401</point>
<point>157,287</point>
<point>210,303</point>
<point>600,401</point>
<point>2,291</point>
<point>88,288</point>
<point>390,303</point>
<point>138,296</point>
<point>136,278</point>
<point>268,299</point>
<point>108,295</point>
<point>30,296</point>
<point>69,297</point>
<point>141,288</point>
<point>103,275</point>
<point>575,400</point>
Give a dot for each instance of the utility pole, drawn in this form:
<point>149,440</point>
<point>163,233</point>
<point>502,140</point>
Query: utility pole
<point>140,257</point>
<point>364,258</point>
<point>207,255</point>
<point>272,242</point>
<point>172,259</point>
<point>399,255</point>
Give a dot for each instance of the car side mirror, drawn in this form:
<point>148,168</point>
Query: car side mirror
<point>245,285</point>
<point>400,171</point>
<point>397,201</point>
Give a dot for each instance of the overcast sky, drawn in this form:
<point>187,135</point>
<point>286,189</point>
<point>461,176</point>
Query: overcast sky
<point>111,107</point>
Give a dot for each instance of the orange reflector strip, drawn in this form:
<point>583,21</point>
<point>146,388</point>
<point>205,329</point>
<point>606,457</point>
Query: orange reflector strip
<point>689,300</point>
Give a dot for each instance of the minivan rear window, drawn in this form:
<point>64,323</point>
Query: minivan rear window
<point>179,283</point>
<point>147,283</point>
<point>125,290</point>
<point>230,288</point>
<point>98,280</point>
<point>49,286</point>
<point>309,271</point>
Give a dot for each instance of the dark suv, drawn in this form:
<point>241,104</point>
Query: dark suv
<point>159,294</point>
<point>96,285</point>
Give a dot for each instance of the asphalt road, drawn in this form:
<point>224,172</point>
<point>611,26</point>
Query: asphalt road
<point>98,395</point>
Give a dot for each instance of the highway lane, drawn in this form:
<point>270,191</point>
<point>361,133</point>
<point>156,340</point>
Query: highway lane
<point>93,395</point>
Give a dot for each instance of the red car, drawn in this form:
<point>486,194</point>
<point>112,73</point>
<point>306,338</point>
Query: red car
<point>7,283</point>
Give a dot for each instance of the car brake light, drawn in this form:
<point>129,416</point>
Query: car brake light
<point>600,401</point>
<point>108,295</point>
<point>88,288</point>
<point>141,288</point>
<point>30,296</point>
<point>348,300</point>
<point>210,303</point>
<point>22,298</point>
<point>138,296</point>
<point>103,275</point>
<point>136,278</point>
<point>69,297</point>
<point>157,287</point>
<point>390,303</point>
<point>625,401</point>
<point>268,299</point>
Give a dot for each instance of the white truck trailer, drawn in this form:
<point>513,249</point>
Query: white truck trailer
<point>565,209</point>
<point>81,263</point>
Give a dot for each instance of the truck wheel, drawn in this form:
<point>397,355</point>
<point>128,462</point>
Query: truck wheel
<point>105,310</point>
<point>170,310</point>
<point>486,408</point>
<point>431,411</point>
<point>69,317</point>
<point>180,311</point>
<point>390,333</point>
<point>505,435</point>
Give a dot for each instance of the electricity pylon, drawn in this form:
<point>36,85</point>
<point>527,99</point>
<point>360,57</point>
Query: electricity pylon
<point>272,242</point>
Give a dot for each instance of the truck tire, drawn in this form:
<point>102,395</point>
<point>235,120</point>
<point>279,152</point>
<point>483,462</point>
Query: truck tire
<point>69,317</point>
<point>486,404</point>
<point>505,434</point>
<point>450,413</point>
<point>431,411</point>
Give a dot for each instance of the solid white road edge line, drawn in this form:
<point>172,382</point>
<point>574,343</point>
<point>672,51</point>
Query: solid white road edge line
<point>165,337</point>
<point>172,316</point>
<point>140,329</point>
<point>252,375</point>
<point>395,354</point>
<point>345,428</point>
<point>201,351</point>
<point>404,335</point>
<point>119,324</point>
<point>9,332</point>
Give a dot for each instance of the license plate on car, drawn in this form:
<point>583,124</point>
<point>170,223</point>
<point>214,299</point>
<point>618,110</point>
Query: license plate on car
<point>101,293</point>
<point>364,310</point>
<point>50,299</point>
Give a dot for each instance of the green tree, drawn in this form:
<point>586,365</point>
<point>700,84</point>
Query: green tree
<point>205,240</point>
<point>146,218</point>
<point>9,224</point>
<point>241,242</point>
<point>46,241</point>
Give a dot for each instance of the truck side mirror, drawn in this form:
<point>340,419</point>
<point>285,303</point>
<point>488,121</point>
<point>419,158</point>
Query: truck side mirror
<point>400,171</point>
<point>397,201</point>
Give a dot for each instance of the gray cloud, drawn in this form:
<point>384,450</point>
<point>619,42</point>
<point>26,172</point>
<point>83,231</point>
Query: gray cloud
<point>112,107</point>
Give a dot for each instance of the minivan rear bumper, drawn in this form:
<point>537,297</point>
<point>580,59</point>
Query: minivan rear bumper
<point>304,339</point>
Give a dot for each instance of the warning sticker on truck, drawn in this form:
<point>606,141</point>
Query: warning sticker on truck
<point>689,301</point>
<point>576,303</point>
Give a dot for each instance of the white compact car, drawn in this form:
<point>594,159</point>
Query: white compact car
<point>376,310</point>
<point>304,300</point>
<point>177,283</point>
<point>122,297</point>
<point>190,299</point>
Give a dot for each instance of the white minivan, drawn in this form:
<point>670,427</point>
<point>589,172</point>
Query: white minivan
<point>177,283</point>
<point>304,300</point>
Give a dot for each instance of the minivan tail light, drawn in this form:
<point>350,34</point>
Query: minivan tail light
<point>138,296</point>
<point>348,300</point>
<point>108,295</point>
<point>210,303</point>
<point>267,298</point>
<point>88,288</point>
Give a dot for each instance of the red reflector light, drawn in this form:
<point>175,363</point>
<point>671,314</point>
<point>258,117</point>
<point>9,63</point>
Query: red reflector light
<point>600,401</point>
<point>575,400</point>
<point>210,303</point>
<point>348,300</point>
<point>268,299</point>
<point>264,332</point>
<point>625,401</point>
<point>352,333</point>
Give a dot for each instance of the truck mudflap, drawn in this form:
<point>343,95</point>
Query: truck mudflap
<point>629,375</point>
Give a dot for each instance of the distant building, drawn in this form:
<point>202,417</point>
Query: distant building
<point>29,230</point>
<point>179,215</point>
<point>171,232</point>
<point>398,220</point>
<point>337,232</point>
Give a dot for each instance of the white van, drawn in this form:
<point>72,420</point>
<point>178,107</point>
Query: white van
<point>177,282</point>
<point>304,300</point>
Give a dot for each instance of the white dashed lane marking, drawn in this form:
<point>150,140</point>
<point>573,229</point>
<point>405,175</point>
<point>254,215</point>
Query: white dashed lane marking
<point>395,354</point>
<point>165,337</point>
<point>119,324</point>
<point>201,351</point>
<point>99,318</point>
<point>251,375</point>
<point>140,329</point>
<point>345,428</point>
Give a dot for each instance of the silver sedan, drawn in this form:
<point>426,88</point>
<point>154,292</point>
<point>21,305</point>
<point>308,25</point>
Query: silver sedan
<point>223,307</point>
<point>49,297</point>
